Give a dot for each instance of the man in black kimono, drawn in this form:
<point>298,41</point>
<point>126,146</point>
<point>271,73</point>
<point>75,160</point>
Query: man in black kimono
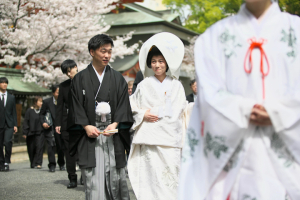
<point>68,67</point>
<point>49,105</point>
<point>100,83</point>
<point>8,123</point>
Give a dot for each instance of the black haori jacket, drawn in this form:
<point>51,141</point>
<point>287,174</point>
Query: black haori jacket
<point>81,105</point>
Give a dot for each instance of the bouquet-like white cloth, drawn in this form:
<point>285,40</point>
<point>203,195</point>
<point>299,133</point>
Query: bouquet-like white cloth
<point>103,109</point>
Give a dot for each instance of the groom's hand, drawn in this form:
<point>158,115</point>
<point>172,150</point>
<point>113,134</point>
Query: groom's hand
<point>91,131</point>
<point>110,127</point>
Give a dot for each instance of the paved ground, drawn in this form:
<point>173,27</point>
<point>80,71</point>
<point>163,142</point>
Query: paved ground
<point>22,183</point>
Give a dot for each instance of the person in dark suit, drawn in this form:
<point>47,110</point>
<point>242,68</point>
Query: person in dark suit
<point>139,77</point>
<point>33,133</point>
<point>192,97</point>
<point>68,67</point>
<point>49,131</point>
<point>130,86</point>
<point>8,123</point>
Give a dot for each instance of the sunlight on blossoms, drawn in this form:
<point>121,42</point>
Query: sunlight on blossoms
<point>41,34</point>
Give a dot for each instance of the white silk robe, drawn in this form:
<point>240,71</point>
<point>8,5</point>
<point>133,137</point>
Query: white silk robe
<point>226,157</point>
<point>154,160</point>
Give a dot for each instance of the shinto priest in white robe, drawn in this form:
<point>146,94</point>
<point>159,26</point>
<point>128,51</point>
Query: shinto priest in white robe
<point>225,157</point>
<point>154,159</point>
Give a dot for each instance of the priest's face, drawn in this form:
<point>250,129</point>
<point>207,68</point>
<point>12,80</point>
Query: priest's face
<point>159,65</point>
<point>102,55</point>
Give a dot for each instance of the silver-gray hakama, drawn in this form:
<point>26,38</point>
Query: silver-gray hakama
<point>105,181</point>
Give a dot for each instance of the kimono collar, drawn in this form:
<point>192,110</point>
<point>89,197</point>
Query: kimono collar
<point>100,77</point>
<point>172,49</point>
<point>271,11</point>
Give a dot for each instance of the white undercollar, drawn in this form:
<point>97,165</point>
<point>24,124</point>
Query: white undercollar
<point>100,77</point>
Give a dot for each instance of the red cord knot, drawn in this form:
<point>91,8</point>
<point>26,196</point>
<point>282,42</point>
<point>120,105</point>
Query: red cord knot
<point>257,44</point>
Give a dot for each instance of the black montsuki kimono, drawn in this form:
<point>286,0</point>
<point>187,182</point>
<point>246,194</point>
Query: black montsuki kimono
<point>82,112</point>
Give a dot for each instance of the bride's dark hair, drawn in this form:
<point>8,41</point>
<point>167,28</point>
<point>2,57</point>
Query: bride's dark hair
<point>154,51</point>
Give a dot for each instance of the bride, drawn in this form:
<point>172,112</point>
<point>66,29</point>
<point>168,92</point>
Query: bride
<point>158,106</point>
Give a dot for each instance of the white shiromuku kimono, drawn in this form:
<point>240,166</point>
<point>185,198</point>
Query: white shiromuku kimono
<point>226,157</point>
<point>154,160</point>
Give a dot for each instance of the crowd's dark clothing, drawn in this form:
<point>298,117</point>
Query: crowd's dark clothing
<point>6,135</point>
<point>62,105</point>
<point>190,97</point>
<point>8,119</point>
<point>51,149</point>
<point>113,90</point>
<point>31,123</point>
<point>70,160</point>
<point>35,144</point>
<point>8,113</point>
<point>49,133</point>
<point>61,120</point>
<point>139,77</point>
<point>33,130</point>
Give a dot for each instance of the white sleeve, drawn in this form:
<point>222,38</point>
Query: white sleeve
<point>135,102</point>
<point>211,71</point>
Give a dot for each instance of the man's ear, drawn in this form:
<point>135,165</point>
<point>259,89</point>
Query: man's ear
<point>92,52</point>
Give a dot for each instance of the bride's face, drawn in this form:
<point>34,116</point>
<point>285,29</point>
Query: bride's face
<point>158,65</point>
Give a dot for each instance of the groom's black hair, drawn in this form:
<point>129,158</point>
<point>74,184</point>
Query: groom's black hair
<point>98,40</point>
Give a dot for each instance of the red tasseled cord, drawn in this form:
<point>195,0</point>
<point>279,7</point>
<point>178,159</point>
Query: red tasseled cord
<point>257,44</point>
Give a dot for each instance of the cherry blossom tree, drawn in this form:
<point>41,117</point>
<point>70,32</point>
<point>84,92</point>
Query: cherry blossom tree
<point>39,34</point>
<point>188,59</point>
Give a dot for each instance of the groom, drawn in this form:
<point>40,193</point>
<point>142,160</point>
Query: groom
<point>101,157</point>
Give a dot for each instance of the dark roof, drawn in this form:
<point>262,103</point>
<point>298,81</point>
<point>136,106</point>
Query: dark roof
<point>17,86</point>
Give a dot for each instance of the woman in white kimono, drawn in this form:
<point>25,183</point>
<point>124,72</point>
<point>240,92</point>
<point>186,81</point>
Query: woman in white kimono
<point>158,106</point>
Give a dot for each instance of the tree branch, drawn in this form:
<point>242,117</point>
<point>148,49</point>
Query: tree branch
<point>47,47</point>
<point>57,53</point>
<point>16,20</point>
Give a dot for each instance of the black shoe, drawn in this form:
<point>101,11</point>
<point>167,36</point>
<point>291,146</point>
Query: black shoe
<point>2,169</point>
<point>6,168</point>
<point>72,184</point>
<point>81,181</point>
<point>62,168</point>
<point>52,169</point>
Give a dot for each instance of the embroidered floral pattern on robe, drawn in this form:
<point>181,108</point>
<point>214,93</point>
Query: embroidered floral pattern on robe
<point>169,177</point>
<point>229,42</point>
<point>145,153</point>
<point>234,158</point>
<point>214,144</point>
<point>291,40</point>
<point>248,197</point>
<point>278,146</point>
<point>192,140</point>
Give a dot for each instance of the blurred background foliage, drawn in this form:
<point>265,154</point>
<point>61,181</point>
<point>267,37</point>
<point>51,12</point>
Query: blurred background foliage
<point>198,15</point>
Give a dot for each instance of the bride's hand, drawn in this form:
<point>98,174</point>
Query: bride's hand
<point>148,117</point>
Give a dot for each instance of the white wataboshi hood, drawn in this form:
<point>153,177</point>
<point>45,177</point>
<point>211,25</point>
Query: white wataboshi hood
<point>172,49</point>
